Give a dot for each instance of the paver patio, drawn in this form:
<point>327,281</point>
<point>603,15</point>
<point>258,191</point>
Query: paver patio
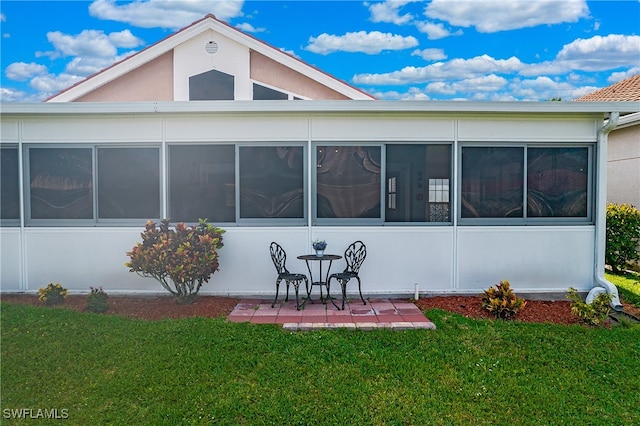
<point>396,314</point>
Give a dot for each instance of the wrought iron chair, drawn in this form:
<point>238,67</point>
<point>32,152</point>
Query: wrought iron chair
<point>354,255</point>
<point>279,258</point>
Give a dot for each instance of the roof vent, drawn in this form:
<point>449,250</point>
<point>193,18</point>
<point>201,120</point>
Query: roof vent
<point>211,47</point>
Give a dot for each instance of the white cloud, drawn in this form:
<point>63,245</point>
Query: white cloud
<point>3,17</point>
<point>544,88</point>
<point>435,31</point>
<point>388,11</point>
<point>11,95</point>
<point>92,43</point>
<point>171,14</point>
<point>453,69</point>
<point>601,53</point>
<point>430,54</point>
<point>50,84</point>
<point>489,16</point>
<point>125,39</point>
<point>21,71</point>
<point>367,42</point>
<point>248,28</point>
<point>594,54</point>
<point>619,76</point>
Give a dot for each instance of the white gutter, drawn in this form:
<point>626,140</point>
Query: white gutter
<point>601,284</point>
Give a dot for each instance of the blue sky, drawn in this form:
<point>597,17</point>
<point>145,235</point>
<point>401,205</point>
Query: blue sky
<point>485,50</point>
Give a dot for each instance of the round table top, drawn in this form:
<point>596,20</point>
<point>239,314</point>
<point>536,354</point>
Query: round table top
<point>323,257</point>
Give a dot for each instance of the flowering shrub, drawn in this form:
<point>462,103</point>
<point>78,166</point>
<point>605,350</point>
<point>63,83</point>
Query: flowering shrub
<point>180,259</point>
<point>501,301</point>
<point>52,294</point>
<point>97,300</point>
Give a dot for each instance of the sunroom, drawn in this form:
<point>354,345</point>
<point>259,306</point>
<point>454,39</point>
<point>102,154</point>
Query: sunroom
<point>449,197</point>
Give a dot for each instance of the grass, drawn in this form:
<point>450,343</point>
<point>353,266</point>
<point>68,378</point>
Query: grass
<point>628,285</point>
<point>113,370</point>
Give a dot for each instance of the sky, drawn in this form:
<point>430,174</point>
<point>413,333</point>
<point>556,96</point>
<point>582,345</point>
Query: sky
<point>478,50</point>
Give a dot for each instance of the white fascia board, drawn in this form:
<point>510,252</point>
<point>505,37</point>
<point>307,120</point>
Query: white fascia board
<point>628,121</point>
<point>348,106</point>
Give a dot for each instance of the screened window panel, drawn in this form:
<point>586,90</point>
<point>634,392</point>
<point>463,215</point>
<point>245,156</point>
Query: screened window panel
<point>557,182</point>
<point>61,185</point>
<point>492,182</point>
<point>128,183</point>
<point>211,86</point>
<point>410,168</point>
<point>262,93</point>
<point>9,184</point>
<point>348,182</point>
<point>271,182</point>
<point>202,183</point>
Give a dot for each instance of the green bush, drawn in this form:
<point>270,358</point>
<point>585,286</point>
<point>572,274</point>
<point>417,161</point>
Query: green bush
<point>52,294</point>
<point>97,300</point>
<point>594,313</point>
<point>181,259</point>
<point>501,301</point>
<point>623,236</point>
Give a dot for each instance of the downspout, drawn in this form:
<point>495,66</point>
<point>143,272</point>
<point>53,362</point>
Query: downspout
<point>601,284</point>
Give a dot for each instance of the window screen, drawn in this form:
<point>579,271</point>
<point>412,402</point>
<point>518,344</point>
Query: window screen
<point>348,181</point>
<point>9,185</point>
<point>61,183</point>
<point>418,177</point>
<point>492,182</point>
<point>557,182</point>
<point>271,182</point>
<point>202,183</point>
<point>128,183</point>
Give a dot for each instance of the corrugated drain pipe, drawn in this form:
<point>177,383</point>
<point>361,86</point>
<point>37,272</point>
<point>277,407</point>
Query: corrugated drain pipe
<point>601,284</point>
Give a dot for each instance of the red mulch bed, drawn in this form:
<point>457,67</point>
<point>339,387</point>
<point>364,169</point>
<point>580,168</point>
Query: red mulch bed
<point>159,307</point>
<point>144,307</point>
<point>558,312</point>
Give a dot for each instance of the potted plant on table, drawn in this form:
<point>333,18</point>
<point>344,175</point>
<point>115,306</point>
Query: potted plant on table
<point>319,246</point>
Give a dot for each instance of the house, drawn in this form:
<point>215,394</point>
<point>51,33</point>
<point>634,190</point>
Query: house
<point>623,166</point>
<point>449,196</point>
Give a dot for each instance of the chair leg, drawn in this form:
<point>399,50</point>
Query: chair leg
<point>296,285</point>
<point>277,289</point>
<point>343,284</point>
<point>286,299</point>
<point>360,291</point>
<point>329,294</point>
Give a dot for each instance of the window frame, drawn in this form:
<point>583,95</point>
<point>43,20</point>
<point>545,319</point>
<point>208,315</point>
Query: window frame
<point>525,220</point>
<point>95,220</point>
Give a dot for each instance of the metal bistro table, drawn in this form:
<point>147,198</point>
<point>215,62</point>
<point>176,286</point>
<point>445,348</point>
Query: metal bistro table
<point>322,281</point>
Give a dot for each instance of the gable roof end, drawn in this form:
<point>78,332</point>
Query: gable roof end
<point>209,22</point>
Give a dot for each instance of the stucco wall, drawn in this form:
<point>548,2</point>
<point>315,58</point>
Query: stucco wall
<point>270,72</point>
<point>623,175</point>
<point>151,82</point>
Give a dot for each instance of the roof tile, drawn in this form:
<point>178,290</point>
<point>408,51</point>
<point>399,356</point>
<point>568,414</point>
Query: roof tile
<point>626,90</point>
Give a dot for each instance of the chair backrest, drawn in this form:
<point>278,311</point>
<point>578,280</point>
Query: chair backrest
<point>279,258</point>
<point>354,256</point>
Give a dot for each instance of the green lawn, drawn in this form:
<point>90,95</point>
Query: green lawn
<point>113,370</point>
<point>628,286</point>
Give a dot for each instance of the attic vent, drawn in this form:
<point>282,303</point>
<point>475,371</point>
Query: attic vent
<point>211,47</point>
